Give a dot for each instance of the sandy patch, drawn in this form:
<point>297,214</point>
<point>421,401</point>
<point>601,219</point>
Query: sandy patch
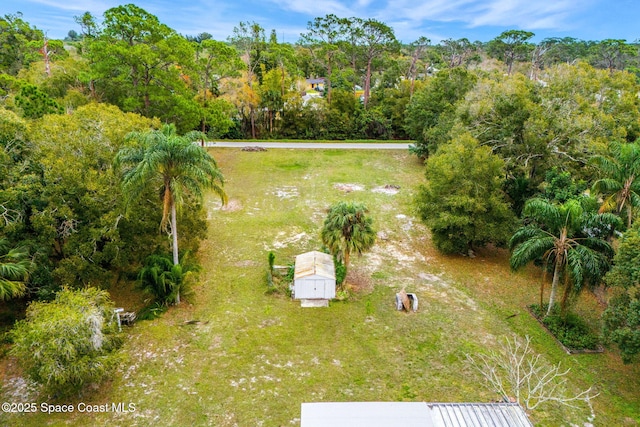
<point>282,241</point>
<point>348,188</point>
<point>286,192</point>
<point>435,286</point>
<point>246,263</point>
<point>232,205</point>
<point>387,189</point>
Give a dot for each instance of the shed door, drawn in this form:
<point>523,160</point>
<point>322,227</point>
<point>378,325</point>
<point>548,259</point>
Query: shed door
<point>318,288</point>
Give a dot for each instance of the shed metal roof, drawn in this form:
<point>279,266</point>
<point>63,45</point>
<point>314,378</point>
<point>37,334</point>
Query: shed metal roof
<point>413,414</point>
<point>314,263</point>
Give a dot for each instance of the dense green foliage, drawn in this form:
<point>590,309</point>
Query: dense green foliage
<point>465,210</point>
<point>70,342</point>
<point>569,239</point>
<point>173,166</point>
<point>626,270</point>
<point>431,112</point>
<point>621,323</point>
<point>569,329</point>
<point>621,320</point>
<point>254,86</point>
<point>620,181</point>
<point>14,270</point>
<point>163,279</point>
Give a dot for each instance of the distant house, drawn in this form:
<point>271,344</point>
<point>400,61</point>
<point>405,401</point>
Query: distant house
<point>314,279</point>
<point>412,414</point>
<point>315,84</point>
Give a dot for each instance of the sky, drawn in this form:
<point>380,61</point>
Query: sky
<point>437,20</point>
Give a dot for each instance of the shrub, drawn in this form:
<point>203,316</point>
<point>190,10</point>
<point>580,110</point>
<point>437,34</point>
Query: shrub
<point>163,280</point>
<point>569,329</point>
<point>69,342</point>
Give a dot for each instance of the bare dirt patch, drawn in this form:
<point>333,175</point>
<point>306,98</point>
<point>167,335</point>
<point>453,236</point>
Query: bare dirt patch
<point>282,241</point>
<point>348,188</point>
<point>389,189</point>
<point>286,192</point>
<point>359,281</point>
<point>232,205</point>
<point>436,286</point>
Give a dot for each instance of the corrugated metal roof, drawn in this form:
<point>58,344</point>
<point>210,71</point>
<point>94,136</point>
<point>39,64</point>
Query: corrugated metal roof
<point>478,415</point>
<point>412,414</point>
<point>314,263</point>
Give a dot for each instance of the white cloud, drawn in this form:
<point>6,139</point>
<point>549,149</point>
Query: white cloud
<point>77,5</point>
<point>316,8</point>
<point>475,13</point>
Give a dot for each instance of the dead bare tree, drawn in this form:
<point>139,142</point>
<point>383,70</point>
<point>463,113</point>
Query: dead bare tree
<point>517,373</point>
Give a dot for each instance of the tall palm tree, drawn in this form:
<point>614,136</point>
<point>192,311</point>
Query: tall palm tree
<point>176,165</point>
<point>620,186</point>
<point>569,238</point>
<point>347,229</point>
<point>14,271</point>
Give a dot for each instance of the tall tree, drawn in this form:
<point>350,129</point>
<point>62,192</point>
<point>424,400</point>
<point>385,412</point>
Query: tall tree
<point>249,39</point>
<point>430,113</point>
<point>417,51</point>
<point>620,182</point>
<point>457,53</point>
<point>511,46</point>
<point>140,64</point>
<point>464,210</point>
<point>371,38</point>
<point>569,239</point>
<point>15,36</point>
<point>88,25</point>
<point>174,164</point>
<point>215,61</point>
<point>348,229</point>
<point>612,54</point>
<point>321,39</point>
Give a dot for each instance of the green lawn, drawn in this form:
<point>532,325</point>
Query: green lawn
<point>252,358</point>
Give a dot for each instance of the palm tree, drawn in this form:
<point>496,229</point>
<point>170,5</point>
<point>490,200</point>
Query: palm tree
<point>620,186</point>
<point>569,239</point>
<point>347,229</point>
<point>176,165</point>
<point>14,271</point>
<point>163,279</point>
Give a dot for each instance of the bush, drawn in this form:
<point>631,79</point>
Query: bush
<point>277,283</point>
<point>621,323</point>
<point>163,280</point>
<point>569,329</point>
<point>69,342</point>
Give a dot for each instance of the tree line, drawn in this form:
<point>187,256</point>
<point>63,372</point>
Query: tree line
<point>251,85</point>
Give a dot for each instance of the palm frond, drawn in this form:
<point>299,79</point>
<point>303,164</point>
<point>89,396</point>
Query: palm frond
<point>525,233</point>
<point>543,212</point>
<point>531,250</point>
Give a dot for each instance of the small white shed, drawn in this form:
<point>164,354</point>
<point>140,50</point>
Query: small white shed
<point>314,278</point>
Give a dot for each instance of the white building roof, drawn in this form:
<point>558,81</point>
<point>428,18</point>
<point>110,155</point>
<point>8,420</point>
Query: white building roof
<point>314,264</point>
<point>412,414</point>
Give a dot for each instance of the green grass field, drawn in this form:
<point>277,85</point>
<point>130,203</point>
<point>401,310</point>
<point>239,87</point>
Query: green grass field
<point>251,359</point>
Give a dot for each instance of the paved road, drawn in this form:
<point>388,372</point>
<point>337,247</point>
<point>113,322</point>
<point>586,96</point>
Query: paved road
<point>313,145</point>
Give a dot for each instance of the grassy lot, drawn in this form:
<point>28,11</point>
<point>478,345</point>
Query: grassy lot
<point>325,141</point>
<point>252,358</point>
